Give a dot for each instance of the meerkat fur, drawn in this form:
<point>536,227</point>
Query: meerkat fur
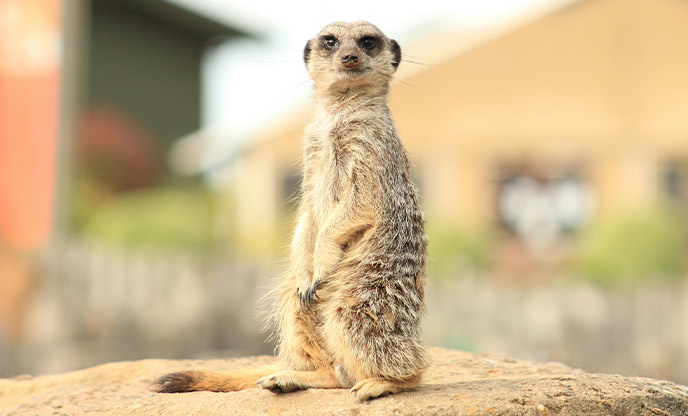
<point>347,314</point>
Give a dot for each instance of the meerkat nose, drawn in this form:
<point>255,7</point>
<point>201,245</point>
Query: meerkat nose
<point>349,61</point>
<point>349,58</point>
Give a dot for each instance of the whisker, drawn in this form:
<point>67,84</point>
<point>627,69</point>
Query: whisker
<point>299,85</point>
<point>408,84</point>
<point>415,62</point>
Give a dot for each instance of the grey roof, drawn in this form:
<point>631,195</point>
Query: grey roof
<point>178,17</point>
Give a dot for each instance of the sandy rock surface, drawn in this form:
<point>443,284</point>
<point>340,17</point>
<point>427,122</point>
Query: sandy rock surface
<point>458,383</point>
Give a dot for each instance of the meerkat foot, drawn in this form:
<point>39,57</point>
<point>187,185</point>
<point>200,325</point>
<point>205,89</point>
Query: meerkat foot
<point>306,294</point>
<point>372,388</point>
<point>288,381</point>
<point>282,382</point>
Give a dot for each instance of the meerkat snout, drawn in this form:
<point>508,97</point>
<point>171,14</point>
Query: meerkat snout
<point>350,61</point>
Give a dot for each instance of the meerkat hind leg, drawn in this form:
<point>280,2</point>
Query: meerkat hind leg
<point>372,388</point>
<point>288,381</point>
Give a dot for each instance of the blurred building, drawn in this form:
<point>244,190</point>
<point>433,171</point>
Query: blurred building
<point>140,84</point>
<point>126,66</point>
<point>102,86</point>
<point>144,61</point>
<point>577,114</point>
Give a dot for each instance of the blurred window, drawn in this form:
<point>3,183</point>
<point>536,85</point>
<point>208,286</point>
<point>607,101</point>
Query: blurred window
<point>675,182</point>
<point>542,206</point>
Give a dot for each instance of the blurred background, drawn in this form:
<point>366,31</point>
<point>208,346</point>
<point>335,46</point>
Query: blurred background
<point>149,155</point>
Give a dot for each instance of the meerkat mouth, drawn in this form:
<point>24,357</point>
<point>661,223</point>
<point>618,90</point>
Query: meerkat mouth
<point>356,72</point>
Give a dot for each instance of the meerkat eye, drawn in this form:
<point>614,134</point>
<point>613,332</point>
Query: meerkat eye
<point>368,42</point>
<point>330,43</point>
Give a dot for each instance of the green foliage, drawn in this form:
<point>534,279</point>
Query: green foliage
<point>156,219</point>
<point>460,342</point>
<point>455,248</point>
<point>633,249</point>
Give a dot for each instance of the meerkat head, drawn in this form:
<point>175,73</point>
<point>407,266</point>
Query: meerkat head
<point>349,55</point>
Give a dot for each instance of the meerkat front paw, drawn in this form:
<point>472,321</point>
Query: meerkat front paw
<point>306,293</point>
<point>282,382</point>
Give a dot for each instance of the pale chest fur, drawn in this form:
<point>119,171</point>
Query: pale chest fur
<point>325,177</point>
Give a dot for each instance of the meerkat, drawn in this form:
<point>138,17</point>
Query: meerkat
<point>348,312</point>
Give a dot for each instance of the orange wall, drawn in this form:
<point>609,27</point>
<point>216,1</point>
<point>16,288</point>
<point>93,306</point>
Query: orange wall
<point>29,81</point>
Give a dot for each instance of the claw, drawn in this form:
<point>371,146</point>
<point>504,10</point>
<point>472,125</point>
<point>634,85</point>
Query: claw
<point>306,297</point>
<point>302,298</point>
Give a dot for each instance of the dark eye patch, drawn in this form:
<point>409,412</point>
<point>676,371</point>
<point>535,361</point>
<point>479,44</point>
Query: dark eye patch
<point>369,42</point>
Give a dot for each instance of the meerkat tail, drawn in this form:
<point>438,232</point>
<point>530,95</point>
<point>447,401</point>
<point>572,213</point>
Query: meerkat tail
<point>196,380</point>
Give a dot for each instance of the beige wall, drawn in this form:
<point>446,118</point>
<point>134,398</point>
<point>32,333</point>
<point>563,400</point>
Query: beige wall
<point>599,85</point>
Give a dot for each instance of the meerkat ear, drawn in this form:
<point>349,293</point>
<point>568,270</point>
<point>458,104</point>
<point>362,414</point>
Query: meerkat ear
<point>307,52</point>
<point>396,50</point>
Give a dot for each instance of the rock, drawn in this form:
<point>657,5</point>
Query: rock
<point>457,383</point>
